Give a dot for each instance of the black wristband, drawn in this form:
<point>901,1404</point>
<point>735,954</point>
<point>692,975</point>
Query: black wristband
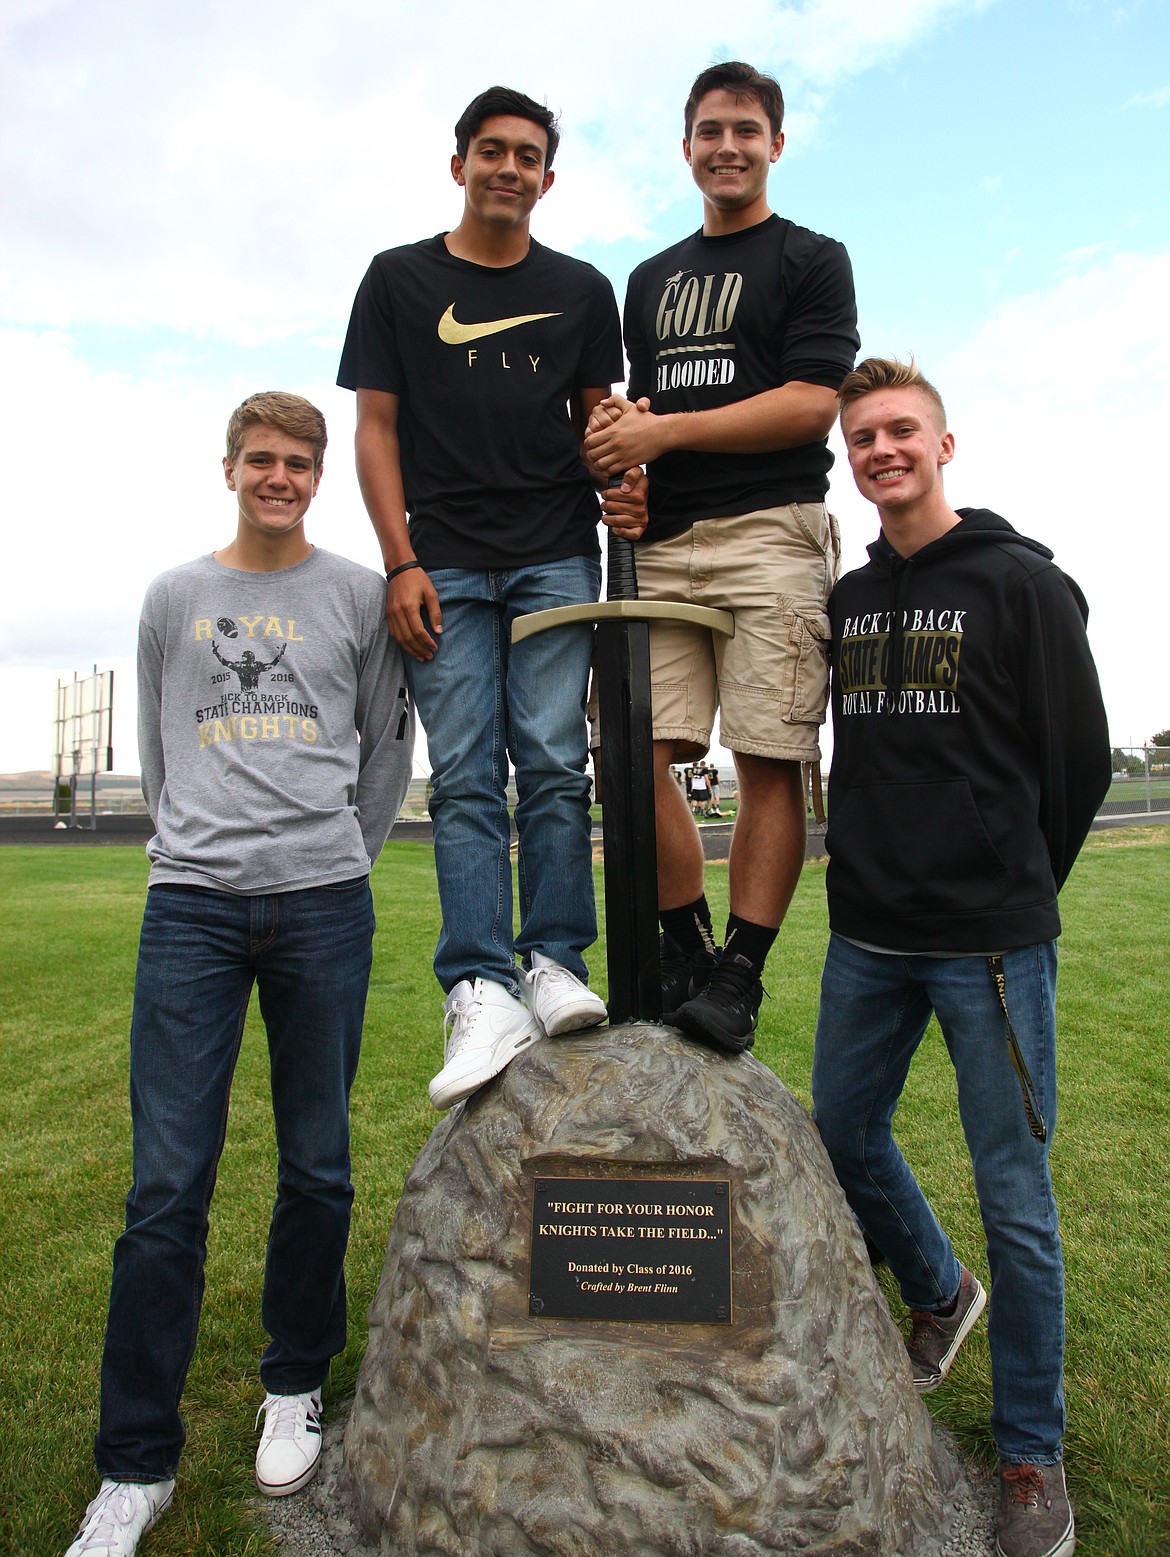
<point>402,567</point>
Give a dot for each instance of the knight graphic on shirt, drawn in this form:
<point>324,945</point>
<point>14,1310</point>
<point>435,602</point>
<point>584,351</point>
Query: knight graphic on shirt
<point>249,711</point>
<point>248,668</point>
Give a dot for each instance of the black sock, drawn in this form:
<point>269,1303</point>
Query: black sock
<point>745,939</point>
<point>690,927</point>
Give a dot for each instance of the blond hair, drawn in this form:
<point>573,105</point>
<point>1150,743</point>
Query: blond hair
<point>888,373</point>
<point>292,414</point>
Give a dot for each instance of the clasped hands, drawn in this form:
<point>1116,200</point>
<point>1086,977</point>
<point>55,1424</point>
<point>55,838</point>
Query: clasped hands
<point>618,440</point>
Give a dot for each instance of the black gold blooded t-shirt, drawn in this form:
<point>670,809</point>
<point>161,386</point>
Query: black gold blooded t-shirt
<point>485,362</point>
<point>715,320</point>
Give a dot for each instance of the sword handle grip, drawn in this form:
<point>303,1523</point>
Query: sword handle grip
<point>621,570</point>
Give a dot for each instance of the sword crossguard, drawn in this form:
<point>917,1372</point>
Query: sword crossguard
<point>624,610</point>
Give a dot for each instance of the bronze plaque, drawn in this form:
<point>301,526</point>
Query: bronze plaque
<point>631,1249</point>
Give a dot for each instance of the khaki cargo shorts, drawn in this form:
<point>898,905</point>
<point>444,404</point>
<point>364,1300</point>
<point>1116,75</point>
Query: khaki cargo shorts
<point>774,570</point>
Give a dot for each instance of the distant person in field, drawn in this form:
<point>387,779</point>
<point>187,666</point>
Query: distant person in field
<point>713,780</point>
<point>970,755</point>
<point>700,789</point>
<point>271,806</point>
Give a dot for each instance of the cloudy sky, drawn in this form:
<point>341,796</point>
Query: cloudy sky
<point>191,194</point>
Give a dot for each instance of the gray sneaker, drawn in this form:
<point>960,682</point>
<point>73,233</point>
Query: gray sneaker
<point>1034,1517</point>
<point>934,1340</point>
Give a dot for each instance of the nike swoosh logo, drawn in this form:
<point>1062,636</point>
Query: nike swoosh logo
<point>452,333</point>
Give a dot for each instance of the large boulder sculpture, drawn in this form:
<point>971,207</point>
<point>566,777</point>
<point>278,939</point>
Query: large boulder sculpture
<point>791,1425</point>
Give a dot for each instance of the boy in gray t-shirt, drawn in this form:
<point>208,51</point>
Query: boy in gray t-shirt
<point>275,740</point>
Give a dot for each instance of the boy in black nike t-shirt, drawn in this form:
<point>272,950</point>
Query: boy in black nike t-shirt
<point>477,357</point>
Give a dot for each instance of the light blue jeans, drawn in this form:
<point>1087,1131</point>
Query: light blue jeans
<point>874,1012</point>
<point>483,700</point>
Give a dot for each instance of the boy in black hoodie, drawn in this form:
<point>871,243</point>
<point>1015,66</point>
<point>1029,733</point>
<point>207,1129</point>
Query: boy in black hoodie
<point>970,755</point>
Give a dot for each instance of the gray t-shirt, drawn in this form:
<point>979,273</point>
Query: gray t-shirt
<point>274,730</point>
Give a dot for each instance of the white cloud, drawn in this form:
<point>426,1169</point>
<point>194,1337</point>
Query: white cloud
<point>1157,99</point>
<point>221,173</point>
<point>830,39</point>
<point>115,480</point>
<point>216,168</point>
<point>1059,402</point>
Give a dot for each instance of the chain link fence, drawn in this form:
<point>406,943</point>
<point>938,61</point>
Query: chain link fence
<point>1140,787</point>
<point>1141,781</point>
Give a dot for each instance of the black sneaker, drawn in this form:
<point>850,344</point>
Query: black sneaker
<point>682,976</point>
<point>935,1339</point>
<point>724,1015</point>
<point>1034,1517</point>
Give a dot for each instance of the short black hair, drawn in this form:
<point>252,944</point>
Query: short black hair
<point>734,76</point>
<point>505,100</point>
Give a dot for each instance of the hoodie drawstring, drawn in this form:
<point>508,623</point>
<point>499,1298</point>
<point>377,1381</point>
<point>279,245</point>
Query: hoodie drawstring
<point>899,568</point>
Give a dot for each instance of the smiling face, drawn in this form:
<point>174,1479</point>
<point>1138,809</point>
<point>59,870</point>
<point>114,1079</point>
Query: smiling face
<point>730,150</point>
<point>503,174</point>
<point>897,448</point>
<point>274,478</point>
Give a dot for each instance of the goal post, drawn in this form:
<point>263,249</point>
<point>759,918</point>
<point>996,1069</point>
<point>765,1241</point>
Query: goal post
<point>82,741</point>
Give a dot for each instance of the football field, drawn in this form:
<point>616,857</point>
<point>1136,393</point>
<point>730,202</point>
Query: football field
<point>68,938</point>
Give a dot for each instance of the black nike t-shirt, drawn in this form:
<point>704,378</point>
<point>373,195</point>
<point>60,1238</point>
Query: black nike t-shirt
<point>485,363</point>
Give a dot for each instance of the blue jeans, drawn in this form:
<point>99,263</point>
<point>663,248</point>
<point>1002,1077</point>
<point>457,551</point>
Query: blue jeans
<point>874,1011</point>
<point>482,700</point>
<point>199,954</point>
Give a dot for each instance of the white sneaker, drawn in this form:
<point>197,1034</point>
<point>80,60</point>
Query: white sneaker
<point>558,999</point>
<point>120,1516</point>
<point>290,1445</point>
<point>483,1028</point>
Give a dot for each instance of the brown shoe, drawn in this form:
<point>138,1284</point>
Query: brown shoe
<point>1034,1517</point>
<point>935,1338</point>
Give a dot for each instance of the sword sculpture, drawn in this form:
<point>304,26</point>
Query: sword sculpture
<point>622,666</point>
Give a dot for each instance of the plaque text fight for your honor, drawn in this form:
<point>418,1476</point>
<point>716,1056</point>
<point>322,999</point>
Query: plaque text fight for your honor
<point>631,1249</point>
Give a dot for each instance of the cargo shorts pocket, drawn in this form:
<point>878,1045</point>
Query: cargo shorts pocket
<point>807,691</point>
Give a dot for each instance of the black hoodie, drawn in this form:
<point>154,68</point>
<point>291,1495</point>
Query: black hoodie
<point>970,744</point>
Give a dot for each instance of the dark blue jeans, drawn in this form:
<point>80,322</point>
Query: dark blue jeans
<point>200,953</point>
<point>874,1012</point>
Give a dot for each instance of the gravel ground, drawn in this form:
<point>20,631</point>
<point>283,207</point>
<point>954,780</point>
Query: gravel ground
<point>319,1522</point>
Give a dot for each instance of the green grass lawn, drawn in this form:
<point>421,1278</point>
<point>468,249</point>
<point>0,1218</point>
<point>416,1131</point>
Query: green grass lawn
<point>67,949</point>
